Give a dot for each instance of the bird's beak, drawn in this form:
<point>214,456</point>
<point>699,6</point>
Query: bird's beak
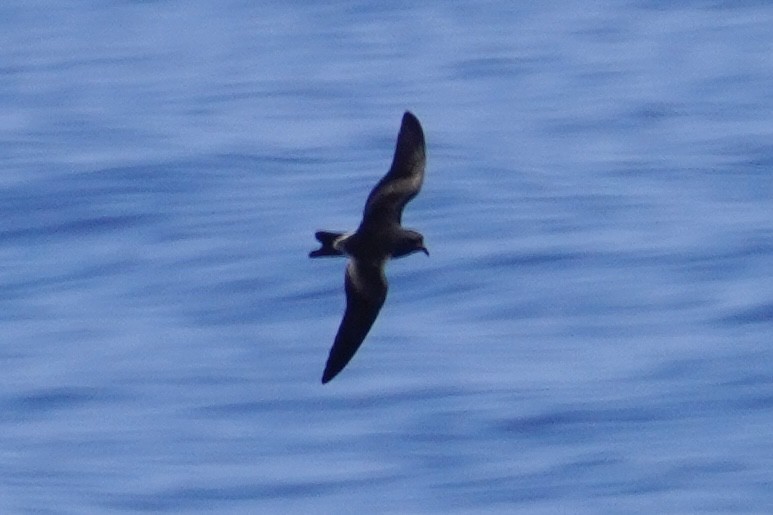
<point>424,249</point>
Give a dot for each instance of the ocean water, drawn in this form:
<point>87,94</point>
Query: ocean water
<point>591,334</point>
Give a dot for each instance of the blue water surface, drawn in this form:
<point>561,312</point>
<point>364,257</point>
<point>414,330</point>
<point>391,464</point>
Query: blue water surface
<point>591,334</point>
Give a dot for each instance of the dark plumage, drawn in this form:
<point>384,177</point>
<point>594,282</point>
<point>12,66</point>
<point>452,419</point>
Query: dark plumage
<point>379,237</point>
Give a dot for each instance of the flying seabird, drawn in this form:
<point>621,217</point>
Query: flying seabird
<point>379,237</point>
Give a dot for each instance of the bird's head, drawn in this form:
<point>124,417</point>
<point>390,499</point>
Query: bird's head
<point>409,242</point>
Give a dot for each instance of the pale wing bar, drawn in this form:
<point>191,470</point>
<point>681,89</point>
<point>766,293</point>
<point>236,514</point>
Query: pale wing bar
<point>403,180</point>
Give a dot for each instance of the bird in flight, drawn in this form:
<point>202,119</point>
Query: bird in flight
<point>379,237</point>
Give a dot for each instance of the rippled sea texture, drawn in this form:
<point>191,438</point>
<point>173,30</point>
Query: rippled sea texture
<point>592,332</point>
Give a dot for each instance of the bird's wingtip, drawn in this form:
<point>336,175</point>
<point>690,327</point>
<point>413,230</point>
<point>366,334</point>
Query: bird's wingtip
<point>409,116</point>
<point>410,131</point>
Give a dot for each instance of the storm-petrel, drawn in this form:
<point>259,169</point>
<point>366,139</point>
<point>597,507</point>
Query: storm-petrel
<point>378,238</point>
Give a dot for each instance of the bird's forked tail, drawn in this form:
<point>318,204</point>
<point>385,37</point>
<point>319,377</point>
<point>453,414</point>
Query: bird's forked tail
<point>327,239</point>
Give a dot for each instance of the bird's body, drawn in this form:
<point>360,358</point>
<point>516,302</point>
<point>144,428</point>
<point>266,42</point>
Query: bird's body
<point>379,238</point>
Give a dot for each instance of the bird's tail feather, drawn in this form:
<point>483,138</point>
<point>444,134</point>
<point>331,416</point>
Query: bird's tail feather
<point>327,239</point>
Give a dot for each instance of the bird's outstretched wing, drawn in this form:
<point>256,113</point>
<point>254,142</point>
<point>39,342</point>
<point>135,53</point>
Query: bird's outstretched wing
<point>366,289</point>
<point>403,180</point>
